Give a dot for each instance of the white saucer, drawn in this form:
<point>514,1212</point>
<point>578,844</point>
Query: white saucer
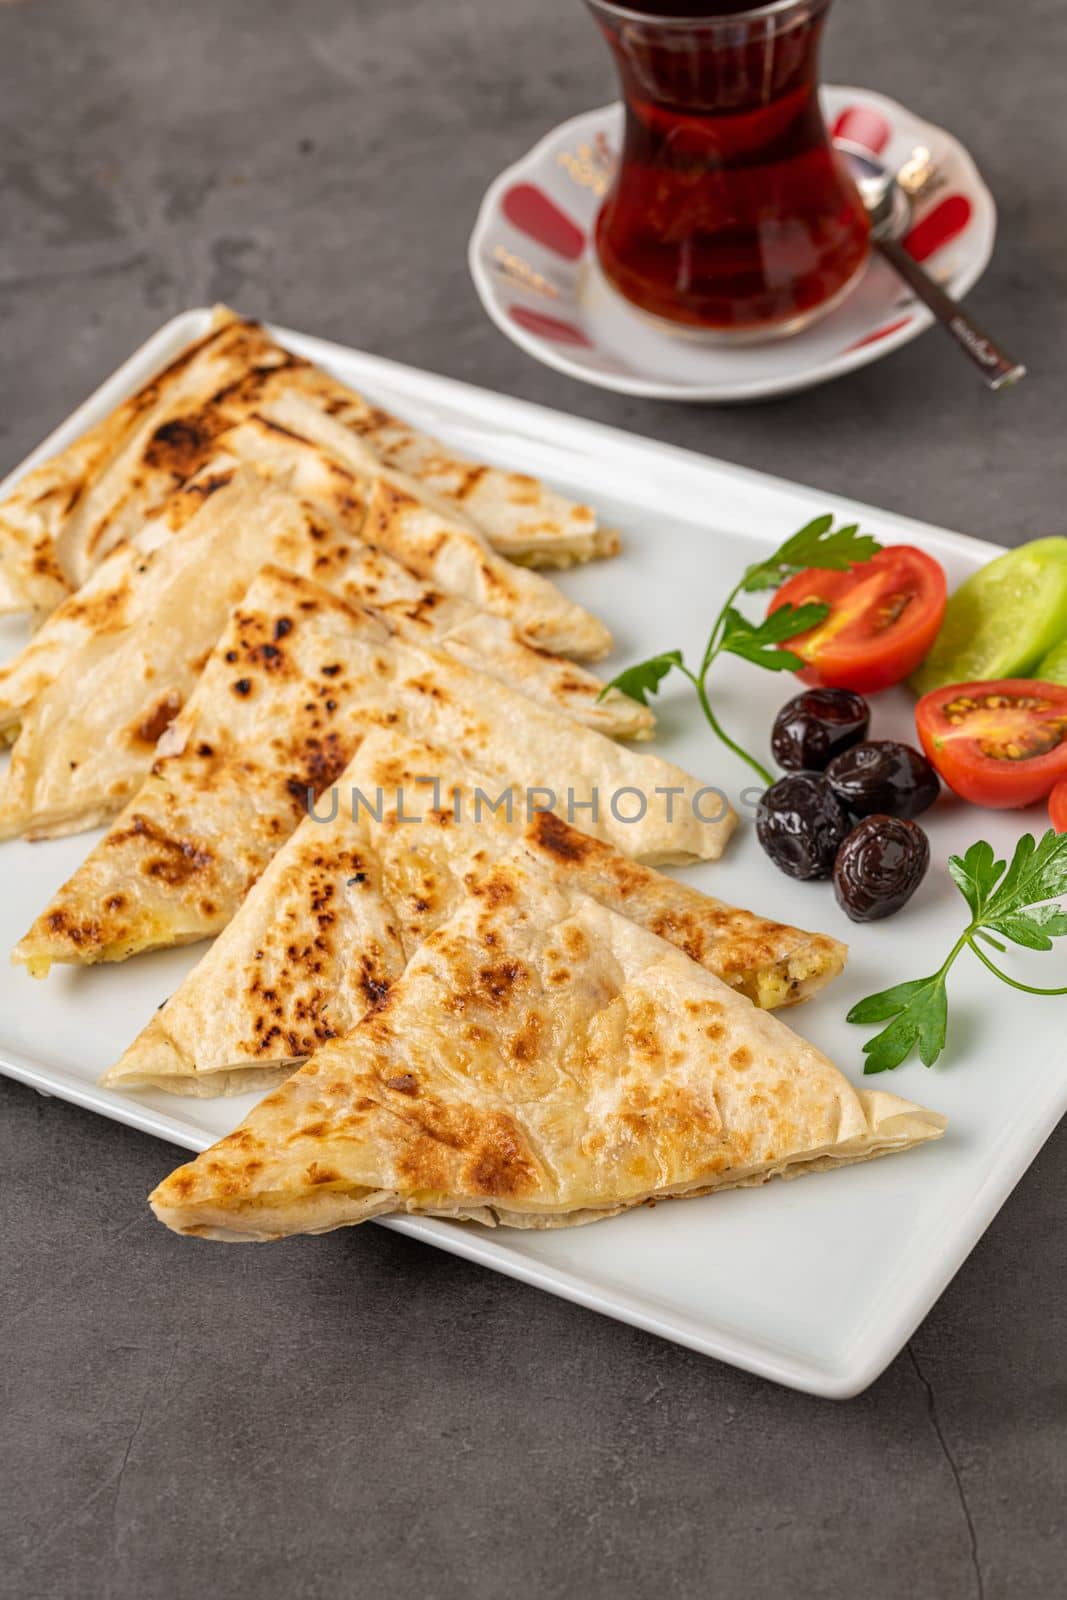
<point>535,270</point>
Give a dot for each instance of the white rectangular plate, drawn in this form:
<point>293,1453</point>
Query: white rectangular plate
<point>815,1284</point>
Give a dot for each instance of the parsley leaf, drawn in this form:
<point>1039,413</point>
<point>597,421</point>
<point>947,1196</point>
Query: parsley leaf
<point>820,545</point>
<point>639,681</point>
<point>758,641</point>
<point>1012,901</point>
<point>1035,928</point>
<point>1038,871</point>
<point>919,1010</point>
<point>975,873</point>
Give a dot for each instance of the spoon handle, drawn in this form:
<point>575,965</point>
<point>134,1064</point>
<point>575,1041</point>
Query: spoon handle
<point>997,369</point>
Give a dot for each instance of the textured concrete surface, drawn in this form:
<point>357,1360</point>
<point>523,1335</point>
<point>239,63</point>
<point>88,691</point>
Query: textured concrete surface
<point>357,1414</point>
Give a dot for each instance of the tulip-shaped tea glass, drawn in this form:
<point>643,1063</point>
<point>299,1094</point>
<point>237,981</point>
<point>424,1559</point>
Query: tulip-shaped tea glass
<point>730,213</point>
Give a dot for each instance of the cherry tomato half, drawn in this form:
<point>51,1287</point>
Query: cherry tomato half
<point>884,616</point>
<point>1057,806</point>
<point>999,744</point>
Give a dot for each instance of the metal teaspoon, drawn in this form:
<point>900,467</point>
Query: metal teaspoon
<point>889,210</point>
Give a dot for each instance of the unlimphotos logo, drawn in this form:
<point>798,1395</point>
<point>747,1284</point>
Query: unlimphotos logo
<point>624,805</point>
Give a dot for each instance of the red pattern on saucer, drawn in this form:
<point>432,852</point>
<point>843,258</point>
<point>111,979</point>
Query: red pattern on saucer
<point>529,209</point>
<point>880,333</point>
<point>864,126</point>
<point>553,328</point>
<point>938,227</point>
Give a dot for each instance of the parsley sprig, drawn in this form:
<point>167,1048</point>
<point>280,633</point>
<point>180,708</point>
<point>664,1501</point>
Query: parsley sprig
<point>820,545</point>
<point>1006,902</point>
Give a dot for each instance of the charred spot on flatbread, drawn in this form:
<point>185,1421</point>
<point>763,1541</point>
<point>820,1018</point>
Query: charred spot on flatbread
<point>170,860</point>
<point>182,444</point>
<point>157,718</point>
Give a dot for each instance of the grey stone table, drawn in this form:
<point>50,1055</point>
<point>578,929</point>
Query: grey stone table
<point>358,1414</point>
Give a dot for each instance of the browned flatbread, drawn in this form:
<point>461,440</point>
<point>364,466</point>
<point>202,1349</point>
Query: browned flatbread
<point>112,666</point>
<point>293,439</point>
<point>428,535</point>
<point>522,519</point>
<point>294,683</point>
<point>63,517</point>
<point>346,902</point>
<point>542,1062</point>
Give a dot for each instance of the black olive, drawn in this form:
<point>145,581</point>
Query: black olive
<point>800,824</point>
<point>817,725</point>
<point>882,775</point>
<point>879,867</point>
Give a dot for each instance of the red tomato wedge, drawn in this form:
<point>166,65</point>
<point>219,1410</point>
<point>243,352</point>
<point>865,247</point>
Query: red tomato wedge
<point>884,616</point>
<point>1057,806</point>
<point>999,744</point>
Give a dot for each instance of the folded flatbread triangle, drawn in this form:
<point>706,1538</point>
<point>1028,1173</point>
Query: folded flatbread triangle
<point>522,518</point>
<point>297,679</point>
<point>542,1061</point>
<point>345,903</point>
<point>430,537</point>
<point>99,682</point>
<point>63,517</point>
